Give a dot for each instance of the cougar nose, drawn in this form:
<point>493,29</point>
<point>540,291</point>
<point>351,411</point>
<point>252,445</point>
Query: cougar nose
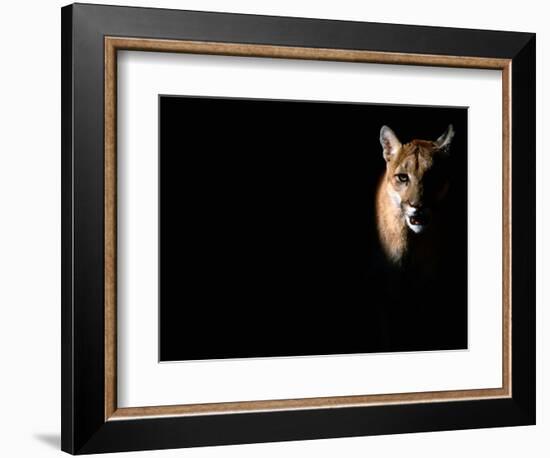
<point>416,205</point>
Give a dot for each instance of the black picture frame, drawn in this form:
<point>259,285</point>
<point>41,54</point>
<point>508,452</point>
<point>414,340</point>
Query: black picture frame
<point>85,428</point>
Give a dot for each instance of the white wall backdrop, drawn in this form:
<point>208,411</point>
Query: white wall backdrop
<point>30,226</point>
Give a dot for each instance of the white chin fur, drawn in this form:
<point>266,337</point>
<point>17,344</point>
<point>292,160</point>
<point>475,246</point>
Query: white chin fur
<point>416,228</point>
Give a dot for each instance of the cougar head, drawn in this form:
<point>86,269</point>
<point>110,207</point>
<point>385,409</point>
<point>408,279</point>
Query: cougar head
<point>417,177</point>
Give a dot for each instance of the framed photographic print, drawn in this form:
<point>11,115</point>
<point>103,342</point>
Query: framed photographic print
<point>282,228</point>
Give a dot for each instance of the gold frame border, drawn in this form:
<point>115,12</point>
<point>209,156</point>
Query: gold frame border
<point>112,45</point>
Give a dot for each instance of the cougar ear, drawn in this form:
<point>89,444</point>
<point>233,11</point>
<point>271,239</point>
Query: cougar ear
<point>390,143</point>
<point>444,142</point>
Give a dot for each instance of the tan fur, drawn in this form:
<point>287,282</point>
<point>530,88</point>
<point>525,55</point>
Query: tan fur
<point>392,230</point>
<point>395,199</point>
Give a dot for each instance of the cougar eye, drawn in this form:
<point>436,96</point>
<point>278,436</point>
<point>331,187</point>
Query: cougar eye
<point>402,177</point>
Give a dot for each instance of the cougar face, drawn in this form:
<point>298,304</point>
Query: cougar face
<point>416,177</point>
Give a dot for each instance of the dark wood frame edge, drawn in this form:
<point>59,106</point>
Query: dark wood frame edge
<point>84,428</point>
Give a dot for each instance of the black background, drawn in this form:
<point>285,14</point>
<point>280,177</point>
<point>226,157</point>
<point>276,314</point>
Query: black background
<point>267,243</point>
